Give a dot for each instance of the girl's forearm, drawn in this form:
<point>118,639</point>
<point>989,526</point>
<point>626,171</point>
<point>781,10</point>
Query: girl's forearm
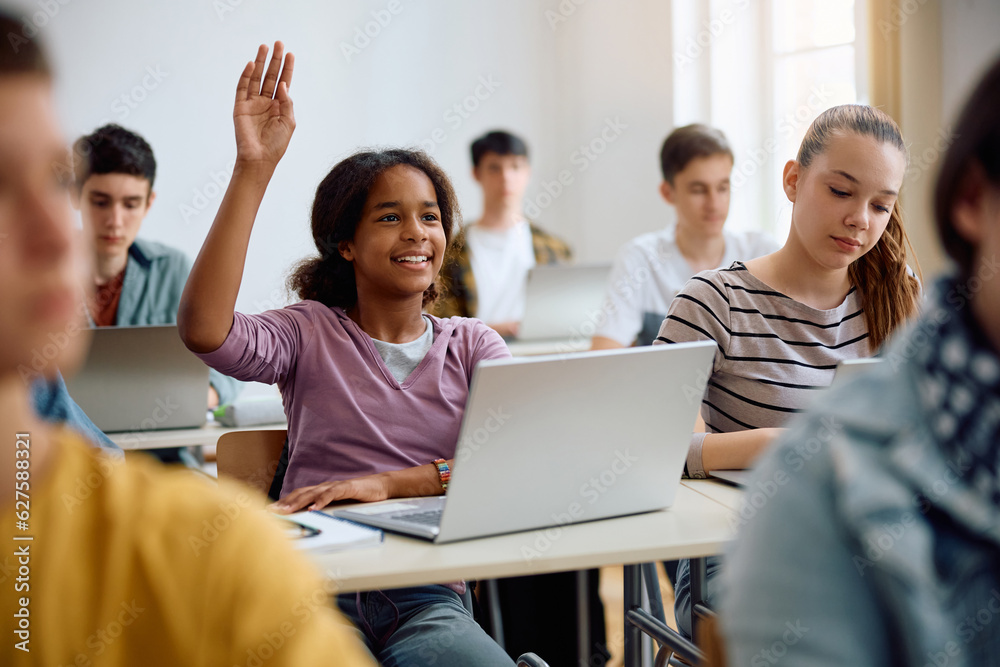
<point>205,315</point>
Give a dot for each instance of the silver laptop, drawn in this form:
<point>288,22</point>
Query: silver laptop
<point>141,379</point>
<point>563,301</point>
<point>848,369</point>
<point>562,439</point>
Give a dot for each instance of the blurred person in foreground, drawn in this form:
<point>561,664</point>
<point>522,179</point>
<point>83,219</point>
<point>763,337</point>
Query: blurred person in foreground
<point>103,563</point>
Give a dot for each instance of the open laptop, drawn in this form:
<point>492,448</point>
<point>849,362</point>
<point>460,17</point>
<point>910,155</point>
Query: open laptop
<point>552,440</point>
<point>562,301</point>
<point>847,370</point>
<point>141,379</point>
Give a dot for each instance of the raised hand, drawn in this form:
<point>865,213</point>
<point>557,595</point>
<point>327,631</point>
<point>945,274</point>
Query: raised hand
<point>263,113</point>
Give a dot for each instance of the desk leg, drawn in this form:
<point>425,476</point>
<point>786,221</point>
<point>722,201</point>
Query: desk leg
<point>633,600</point>
<point>699,589</point>
<point>583,617</point>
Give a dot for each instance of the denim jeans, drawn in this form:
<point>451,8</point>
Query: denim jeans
<point>682,591</point>
<point>425,625</point>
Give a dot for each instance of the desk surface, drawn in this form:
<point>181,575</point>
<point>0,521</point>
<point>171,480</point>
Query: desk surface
<point>696,525</point>
<point>726,494</point>
<point>207,435</point>
<point>530,348</point>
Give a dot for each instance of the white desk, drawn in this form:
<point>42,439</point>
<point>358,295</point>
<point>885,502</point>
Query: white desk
<point>207,435</point>
<point>726,494</point>
<point>530,348</point>
<point>695,526</point>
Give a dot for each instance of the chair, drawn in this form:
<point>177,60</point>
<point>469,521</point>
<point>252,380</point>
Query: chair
<point>252,457</point>
<point>675,649</point>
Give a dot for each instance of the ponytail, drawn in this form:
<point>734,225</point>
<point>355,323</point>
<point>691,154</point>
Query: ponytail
<point>889,292</point>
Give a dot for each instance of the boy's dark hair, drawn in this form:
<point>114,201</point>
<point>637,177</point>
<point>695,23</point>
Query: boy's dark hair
<point>976,140</point>
<point>113,150</point>
<point>687,143</point>
<point>20,54</point>
<point>337,209</point>
<point>499,142</point>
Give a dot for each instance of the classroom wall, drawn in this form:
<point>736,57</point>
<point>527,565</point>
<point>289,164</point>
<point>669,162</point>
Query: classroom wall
<point>566,74</point>
<point>944,47</point>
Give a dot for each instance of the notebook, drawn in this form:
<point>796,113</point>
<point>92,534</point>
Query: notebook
<point>563,301</point>
<point>319,532</point>
<point>141,379</point>
<point>559,439</point>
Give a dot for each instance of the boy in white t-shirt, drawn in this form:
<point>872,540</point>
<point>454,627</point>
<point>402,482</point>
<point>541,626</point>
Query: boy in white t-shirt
<point>649,270</point>
<point>493,255</point>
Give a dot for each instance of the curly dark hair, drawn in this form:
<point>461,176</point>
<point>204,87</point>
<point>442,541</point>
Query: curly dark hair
<point>336,213</point>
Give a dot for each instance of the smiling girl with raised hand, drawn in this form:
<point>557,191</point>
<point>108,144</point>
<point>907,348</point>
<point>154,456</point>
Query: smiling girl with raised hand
<point>374,390</point>
<point>836,290</point>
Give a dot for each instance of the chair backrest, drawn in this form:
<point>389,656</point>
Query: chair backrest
<point>250,456</point>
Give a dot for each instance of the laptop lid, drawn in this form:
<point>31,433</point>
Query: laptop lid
<point>563,301</point>
<point>141,379</point>
<point>548,441</point>
<point>848,369</point>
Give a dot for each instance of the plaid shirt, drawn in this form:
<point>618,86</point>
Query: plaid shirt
<point>457,283</point>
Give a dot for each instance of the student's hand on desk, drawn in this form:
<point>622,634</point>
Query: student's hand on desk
<point>370,488</point>
<point>263,113</point>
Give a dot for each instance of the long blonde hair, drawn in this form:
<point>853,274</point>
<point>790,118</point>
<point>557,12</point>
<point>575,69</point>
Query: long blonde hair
<point>889,293</point>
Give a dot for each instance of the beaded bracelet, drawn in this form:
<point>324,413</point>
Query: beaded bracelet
<point>444,472</point>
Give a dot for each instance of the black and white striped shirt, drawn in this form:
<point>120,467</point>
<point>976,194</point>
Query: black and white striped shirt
<point>774,354</point>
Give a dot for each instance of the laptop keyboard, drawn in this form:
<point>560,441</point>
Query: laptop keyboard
<point>426,518</point>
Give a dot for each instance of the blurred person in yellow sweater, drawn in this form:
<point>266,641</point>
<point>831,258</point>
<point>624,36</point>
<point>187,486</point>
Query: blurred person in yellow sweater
<point>102,563</point>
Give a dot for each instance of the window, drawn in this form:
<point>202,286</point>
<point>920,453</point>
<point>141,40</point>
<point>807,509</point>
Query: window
<point>762,70</point>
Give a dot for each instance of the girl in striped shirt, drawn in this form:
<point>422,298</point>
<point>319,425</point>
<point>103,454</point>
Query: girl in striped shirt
<point>836,290</point>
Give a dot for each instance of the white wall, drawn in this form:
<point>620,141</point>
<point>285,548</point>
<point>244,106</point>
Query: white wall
<point>558,79</point>
<point>970,35</point>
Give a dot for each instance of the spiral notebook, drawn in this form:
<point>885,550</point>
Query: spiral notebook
<point>319,532</point>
